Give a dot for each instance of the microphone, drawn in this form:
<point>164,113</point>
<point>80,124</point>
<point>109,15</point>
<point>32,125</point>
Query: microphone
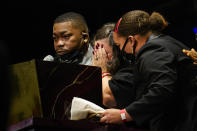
<point>48,58</point>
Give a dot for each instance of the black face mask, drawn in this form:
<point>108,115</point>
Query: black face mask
<point>130,58</point>
<point>125,58</point>
<point>71,57</point>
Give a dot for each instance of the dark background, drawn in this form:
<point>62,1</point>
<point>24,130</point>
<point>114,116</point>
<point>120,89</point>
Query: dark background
<point>26,26</point>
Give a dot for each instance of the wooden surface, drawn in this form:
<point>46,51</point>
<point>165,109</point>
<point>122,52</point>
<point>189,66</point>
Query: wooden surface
<point>43,124</point>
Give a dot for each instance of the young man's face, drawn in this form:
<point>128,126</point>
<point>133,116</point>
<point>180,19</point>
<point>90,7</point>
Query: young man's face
<point>66,37</point>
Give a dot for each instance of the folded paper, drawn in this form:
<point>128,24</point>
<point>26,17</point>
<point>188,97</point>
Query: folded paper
<point>81,108</point>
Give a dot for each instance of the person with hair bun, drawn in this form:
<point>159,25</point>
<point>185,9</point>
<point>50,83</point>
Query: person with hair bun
<point>164,77</point>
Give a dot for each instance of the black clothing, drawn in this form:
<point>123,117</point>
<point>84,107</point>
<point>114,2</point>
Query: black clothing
<point>166,96</point>
<point>75,56</point>
<point>5,87</point>
<point>121,86</point>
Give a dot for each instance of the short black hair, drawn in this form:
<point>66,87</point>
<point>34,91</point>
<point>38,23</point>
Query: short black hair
<point>77,20</point>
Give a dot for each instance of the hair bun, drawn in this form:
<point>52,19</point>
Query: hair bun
<point>158,22</point>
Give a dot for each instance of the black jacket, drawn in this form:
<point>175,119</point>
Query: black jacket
<point>166,94</point>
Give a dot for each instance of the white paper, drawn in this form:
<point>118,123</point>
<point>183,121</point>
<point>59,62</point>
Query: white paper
<point>80,108</point>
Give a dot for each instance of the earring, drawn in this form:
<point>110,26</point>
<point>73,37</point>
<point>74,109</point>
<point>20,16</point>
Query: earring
<point>85,41</point>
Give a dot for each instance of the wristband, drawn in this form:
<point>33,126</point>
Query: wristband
<point>123,115</point>
<point>106,75</point>
<point>105,72</point>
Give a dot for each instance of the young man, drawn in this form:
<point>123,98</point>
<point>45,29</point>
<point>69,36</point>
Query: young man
<point>71,40</point>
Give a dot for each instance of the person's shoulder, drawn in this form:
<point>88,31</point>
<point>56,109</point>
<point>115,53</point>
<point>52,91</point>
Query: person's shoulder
<point>87,58</point>
<point>159,40</point>
<point>154,51</point>
<point>167,42</point>
<point>162,43</point>
<point>150,48</point>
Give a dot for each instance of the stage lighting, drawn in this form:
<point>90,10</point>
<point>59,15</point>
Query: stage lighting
<point>195,31</point>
